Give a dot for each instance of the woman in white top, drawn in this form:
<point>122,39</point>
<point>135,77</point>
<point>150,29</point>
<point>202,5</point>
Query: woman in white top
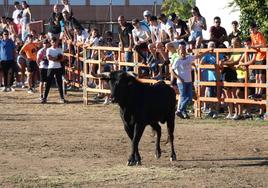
<point>141,37</point>
<point>25,20</point>
<point>196,24</point>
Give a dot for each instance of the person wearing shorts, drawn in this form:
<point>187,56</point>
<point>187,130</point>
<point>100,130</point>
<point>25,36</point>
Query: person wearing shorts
<point>29,52</point>
<point>43,65</point>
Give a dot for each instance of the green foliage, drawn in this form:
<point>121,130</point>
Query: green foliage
<point>252,11</point>
<point>181,7</point>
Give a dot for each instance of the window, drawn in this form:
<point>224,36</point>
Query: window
<point>145,2</point>
<point>1,2</point>
<point>34,2</point>
<point>107,2</point>
<point>54,2</point>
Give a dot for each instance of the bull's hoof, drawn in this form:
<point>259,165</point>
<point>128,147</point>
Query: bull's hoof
<point>138,163</point>
<point>131,163</point>
<point>157,155</point>
<point>173,158</point>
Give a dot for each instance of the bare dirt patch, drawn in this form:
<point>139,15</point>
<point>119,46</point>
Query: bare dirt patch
<point>73,145</point>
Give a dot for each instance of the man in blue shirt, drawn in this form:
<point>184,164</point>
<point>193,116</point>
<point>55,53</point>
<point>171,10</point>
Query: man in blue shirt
<point>7,57</point>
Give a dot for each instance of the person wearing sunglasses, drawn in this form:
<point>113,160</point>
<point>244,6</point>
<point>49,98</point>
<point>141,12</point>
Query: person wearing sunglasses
<point>218,33</point>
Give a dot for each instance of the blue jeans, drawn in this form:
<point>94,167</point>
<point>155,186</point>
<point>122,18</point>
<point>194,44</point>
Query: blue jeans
<point>128,58</point>
<point>186,95</point>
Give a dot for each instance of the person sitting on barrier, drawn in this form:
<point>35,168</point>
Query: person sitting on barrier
<point>182,69</point>
<point>258,41</point>
<point>181,33</point>
<point>141,37</point>
<point>229,74</point>
<point>197,23</point>
<point>217,33</point>
<point>55,56</point>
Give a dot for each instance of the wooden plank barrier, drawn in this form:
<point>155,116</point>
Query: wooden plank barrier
<point>87,75</point>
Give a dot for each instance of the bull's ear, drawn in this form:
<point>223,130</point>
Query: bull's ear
<point>104,76</point>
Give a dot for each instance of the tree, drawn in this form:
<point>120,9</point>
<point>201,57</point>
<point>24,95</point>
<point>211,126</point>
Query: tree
<point>181,7</point>
<point>252,11</point>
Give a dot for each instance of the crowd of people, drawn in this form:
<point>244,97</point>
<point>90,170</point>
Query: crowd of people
<point>165,43</point>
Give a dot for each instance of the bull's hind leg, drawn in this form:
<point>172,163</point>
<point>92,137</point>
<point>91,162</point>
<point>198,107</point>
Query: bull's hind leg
<point>135,158</point>
<point>170,127</point>
<point>157,129</point>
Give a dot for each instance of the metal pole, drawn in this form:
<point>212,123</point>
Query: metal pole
<point>111,15</point>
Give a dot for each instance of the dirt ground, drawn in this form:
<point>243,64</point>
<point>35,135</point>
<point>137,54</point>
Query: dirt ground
<point>73,145</point>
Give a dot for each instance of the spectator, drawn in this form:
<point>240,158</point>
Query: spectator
<point>55,56</point>
<point>3,24</point>
<point>16,15</point>
<point>42,61</point>
<point>81,36</point>
<point>182,69</point>
<point>258,41</point>
<point>21,62</point>
<point>67,7</point>
<point>146,19</point>
<point>197,23</point>
<point>181,33</point>
<point>236,33</point>
<point>26,18</point>
<point>12,28</point>
<point>229,74</point>
<point>217,33</point>
<point>125,39</point>
<point>141,37</point>
<point>29,52</point>
<point>7,57</point>
<point>54,28</point>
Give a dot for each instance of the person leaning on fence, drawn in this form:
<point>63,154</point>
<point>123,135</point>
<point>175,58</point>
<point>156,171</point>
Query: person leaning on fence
<point>258,41</point>
<point>55,56</point>
<point>210,75</point>
<point>182,69</point>
<point>7,59</point>
<point>229,74</point>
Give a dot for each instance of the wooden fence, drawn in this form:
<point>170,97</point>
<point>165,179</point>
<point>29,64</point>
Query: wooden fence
<point>87,75</point>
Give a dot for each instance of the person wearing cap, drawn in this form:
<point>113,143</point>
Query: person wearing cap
<point>147,16</point>
<point>43,65</point>
<point>258,41</point>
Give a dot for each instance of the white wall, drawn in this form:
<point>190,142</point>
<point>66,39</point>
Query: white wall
<point>211,8</point>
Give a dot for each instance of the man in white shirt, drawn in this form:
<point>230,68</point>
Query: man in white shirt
<point>181,70</point>
<point>55,56</point>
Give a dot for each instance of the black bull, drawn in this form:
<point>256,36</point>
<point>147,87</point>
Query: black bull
<point>141,105</point>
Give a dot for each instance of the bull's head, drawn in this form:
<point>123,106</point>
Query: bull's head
<point>119,82</point>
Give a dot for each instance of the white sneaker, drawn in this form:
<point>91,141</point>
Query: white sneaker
<point>4,89</point>
<point>229,116</point>
<point>106,101</point>
<point>30,91</point>
<point>12,89</point>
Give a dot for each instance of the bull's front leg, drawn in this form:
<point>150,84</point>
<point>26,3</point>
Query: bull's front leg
<point>135,158</point>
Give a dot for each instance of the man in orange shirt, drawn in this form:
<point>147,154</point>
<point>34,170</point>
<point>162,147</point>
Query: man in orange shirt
<point>29,51</point>
<point>258,41</point>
